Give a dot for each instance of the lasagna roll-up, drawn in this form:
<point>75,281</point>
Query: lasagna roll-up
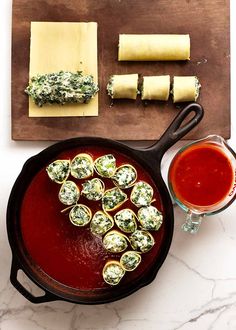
<point>123,86</point>
<point>185,89</point>
<point>154,47</point>
<point>156,88</point>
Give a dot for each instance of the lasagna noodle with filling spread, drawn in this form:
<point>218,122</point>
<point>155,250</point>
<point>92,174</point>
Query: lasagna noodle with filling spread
<point>156,88</point>
<point>123,86</point>
<point>66,46</point>
<point>154,47</point>
<point>185,89</point>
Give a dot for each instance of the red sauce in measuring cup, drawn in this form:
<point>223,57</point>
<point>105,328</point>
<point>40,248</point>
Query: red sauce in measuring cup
<point>201,175</point>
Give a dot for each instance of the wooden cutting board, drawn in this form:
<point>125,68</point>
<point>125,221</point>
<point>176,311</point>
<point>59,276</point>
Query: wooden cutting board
<point>207,22</point>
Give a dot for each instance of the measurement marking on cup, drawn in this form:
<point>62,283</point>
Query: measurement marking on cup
<point>234,186</point>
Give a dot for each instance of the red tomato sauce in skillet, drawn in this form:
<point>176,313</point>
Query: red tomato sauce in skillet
<point>71,255</point>
<point>201,175</point>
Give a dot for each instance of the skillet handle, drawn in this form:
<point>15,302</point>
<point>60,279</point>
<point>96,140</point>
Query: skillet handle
<point>175,131</point>
<point>15,267</point>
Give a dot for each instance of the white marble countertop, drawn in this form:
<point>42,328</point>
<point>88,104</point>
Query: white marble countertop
<point>194,289</point>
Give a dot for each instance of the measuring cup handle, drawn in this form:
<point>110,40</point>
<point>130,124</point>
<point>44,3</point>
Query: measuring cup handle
<point>192,222</point>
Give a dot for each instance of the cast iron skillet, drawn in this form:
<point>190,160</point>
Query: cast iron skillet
<point>149,159</point>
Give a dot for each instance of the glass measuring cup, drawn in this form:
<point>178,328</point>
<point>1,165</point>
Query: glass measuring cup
<point>202,179</point>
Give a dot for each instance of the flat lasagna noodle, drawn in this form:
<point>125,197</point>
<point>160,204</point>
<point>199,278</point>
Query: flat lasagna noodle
<point>185,89</point>
<point>156,88</point>
<point>67,46</point>
<point>123,86</point>
<point>154,47</point>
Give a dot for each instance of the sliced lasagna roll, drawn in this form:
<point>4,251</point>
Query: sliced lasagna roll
<point>185,89</point>
<point>123,86</point>
<point>156,88</point>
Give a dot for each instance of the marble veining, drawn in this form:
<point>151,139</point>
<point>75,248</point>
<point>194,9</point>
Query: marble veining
<point>195,288</point>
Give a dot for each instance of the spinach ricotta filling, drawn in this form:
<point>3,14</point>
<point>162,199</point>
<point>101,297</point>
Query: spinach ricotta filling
<point>61,87</point>
<point>115,242</point>
<point>142,194</point>
<point>142,240</point>
<point>113,198</point>
<point>69,193</point>
<point>105,166</point>
<point>125,176</point>
<point>110,87</point>
<point>113,272</point>
<point>59,170</point>
<point>101,223</point>
<point>130,260</point>
<point>82,166</point>
<point>93,189</point>
<point>80,215</point>
<point>125,220</point>
<point>198,86</point>
<point>150,218</point>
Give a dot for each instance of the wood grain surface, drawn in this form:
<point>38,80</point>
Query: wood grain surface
<point>207,22</point>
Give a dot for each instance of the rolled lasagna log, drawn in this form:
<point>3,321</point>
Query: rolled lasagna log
<point>123,86</point>
<point>156,88</point>
<point>185,89</point>
<point>154,47</point>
